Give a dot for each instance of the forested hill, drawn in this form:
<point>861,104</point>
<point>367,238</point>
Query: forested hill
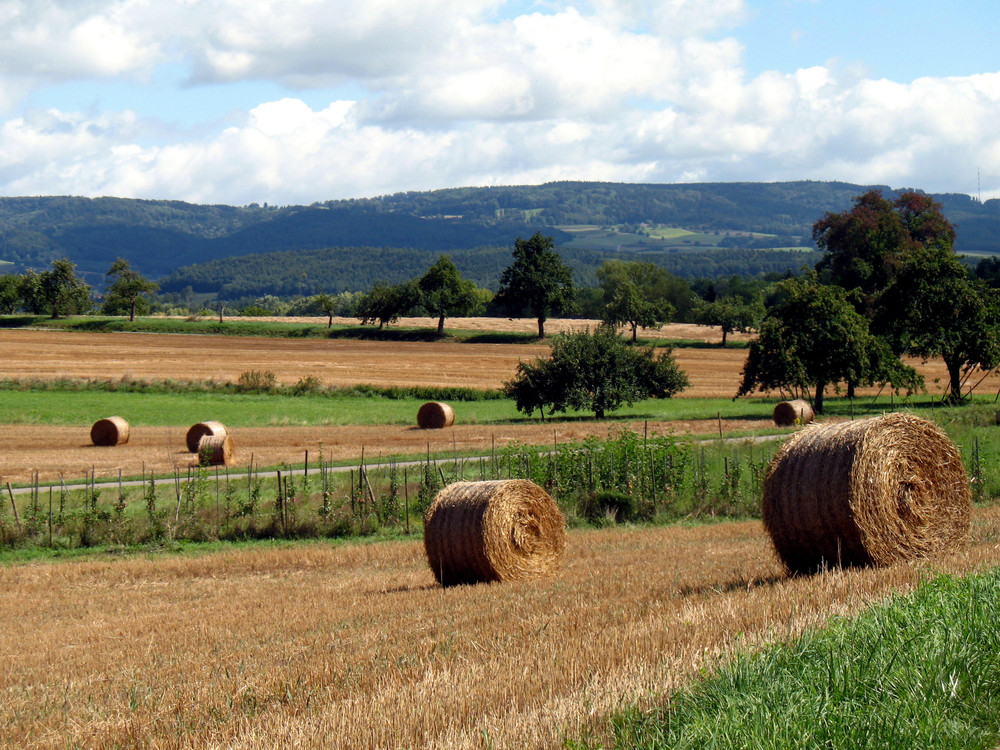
<point>159,237</point>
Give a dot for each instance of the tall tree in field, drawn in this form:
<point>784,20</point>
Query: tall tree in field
<point>634,295</point>
<point>537,281</point>
<point>812,338</point>
<point>731,314</point>
<point>444,292</point>
<point>386,302</point>
<point>127,291</point>
<point>933,308</point>
<point>866,246</point>
<point>63,292</point>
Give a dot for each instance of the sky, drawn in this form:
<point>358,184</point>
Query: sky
<point>291,102</point>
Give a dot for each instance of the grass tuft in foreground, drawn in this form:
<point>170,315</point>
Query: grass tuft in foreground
<point>921,671</point>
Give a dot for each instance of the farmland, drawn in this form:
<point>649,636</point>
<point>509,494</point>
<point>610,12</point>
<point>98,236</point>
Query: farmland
<point>63,447</point>
<point>331,644</point>
<point>356,646</point>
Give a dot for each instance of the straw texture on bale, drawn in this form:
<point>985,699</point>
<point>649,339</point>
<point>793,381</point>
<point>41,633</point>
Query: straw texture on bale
<point>109,431</point>
<point>502,530</point>
<point>216,450</point>
<point>199,430</point>
<point>787,412</point>
<point>435,415</point>
<point>866,493</point>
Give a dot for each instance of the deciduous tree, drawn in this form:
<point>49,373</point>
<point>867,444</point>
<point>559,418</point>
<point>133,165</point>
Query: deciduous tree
<point>128,290</point>
<point>865,246</point>
<point>386,302</point>
<point>537,281</point>
<point>444,292</point>
<point>634,295</point>
<point>932,308</point>
<point>596,371</point>
<point>813,337</point>
<point>62,291</point>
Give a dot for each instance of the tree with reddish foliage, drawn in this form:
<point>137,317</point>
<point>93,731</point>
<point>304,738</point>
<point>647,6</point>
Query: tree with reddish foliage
<point>867,245</point>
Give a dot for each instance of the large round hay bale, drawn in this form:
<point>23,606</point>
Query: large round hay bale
<point>216,450</point>
<point>789,413</point>
<point>870,492</point>
<point>493,531</point>
<point>435,415</point>
<point>109,431</point>
<point>199,430</point>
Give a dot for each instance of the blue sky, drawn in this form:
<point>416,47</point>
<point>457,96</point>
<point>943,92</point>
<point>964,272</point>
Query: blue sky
<point>239,101</point>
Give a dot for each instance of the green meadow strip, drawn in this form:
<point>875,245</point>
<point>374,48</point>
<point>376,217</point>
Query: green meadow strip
<point>922,671</point>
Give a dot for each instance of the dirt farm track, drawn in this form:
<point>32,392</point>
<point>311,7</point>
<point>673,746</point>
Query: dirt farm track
<point>51,450</point>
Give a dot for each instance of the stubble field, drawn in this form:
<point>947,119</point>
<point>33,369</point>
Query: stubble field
<point>355,646</point>
<point>66,450</point>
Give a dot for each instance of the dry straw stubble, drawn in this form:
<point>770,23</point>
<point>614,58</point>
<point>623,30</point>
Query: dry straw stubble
<point>870,492</point>
<point>788,413</point>
<point>110,431</point>
<point>199,430</point>
<point>501,530</point>
<point>435,415</point>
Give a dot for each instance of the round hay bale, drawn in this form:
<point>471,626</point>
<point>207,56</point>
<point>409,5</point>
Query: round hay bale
<point>198,431</point>
<point>216,450</point>
<point>789,413</point>
<point>493,531</point>
<point>870,492</point>
<point>435,415</point>
<point>109,431</point>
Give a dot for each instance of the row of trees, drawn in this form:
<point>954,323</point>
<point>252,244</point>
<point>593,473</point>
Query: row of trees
<point>889,285</point>
<point>60,291</point>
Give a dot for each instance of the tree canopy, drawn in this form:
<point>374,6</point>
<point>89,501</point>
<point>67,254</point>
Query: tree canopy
<point>384,303</point>
<point>866,245</point>
<point>58,291</point>
<point>813,337</point>
<point>596,371</point>
<point>128,290</point>
<point>537,281</point>
<point>933,308</point>
<point>444,292</point>
<point>635,295</point>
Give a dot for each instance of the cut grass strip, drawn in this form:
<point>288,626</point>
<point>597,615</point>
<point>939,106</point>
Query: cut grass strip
<point>920,671</point>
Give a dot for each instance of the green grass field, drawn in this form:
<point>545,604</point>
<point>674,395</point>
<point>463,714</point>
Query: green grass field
<point>921,671</point>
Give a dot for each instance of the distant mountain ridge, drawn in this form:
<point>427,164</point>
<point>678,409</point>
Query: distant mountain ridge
<point>161,237</point>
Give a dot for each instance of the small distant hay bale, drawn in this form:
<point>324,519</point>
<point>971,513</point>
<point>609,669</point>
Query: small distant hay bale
<point>110,431</point>
<point>216,450</point>
<point>865,493</point>
<point>789,413</point>
<point>199,430</point>
<point>434,415</point>
<point>503,530</point>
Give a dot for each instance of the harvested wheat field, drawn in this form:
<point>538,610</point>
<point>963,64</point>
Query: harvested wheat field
<point>53,451</point>
<point>49,355</point>
<point>357,646</point>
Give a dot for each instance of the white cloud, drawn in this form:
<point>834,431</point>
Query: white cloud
<point>452,92</point>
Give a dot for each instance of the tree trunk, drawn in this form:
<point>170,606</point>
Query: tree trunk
<point>541,328</point>
<point>724,333</point>
<point>955,380</point>
<point>635,333</point>
<point>131,315</point>
<point>818,401</point>
<point>441,325</point>
<point>329,322</point>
